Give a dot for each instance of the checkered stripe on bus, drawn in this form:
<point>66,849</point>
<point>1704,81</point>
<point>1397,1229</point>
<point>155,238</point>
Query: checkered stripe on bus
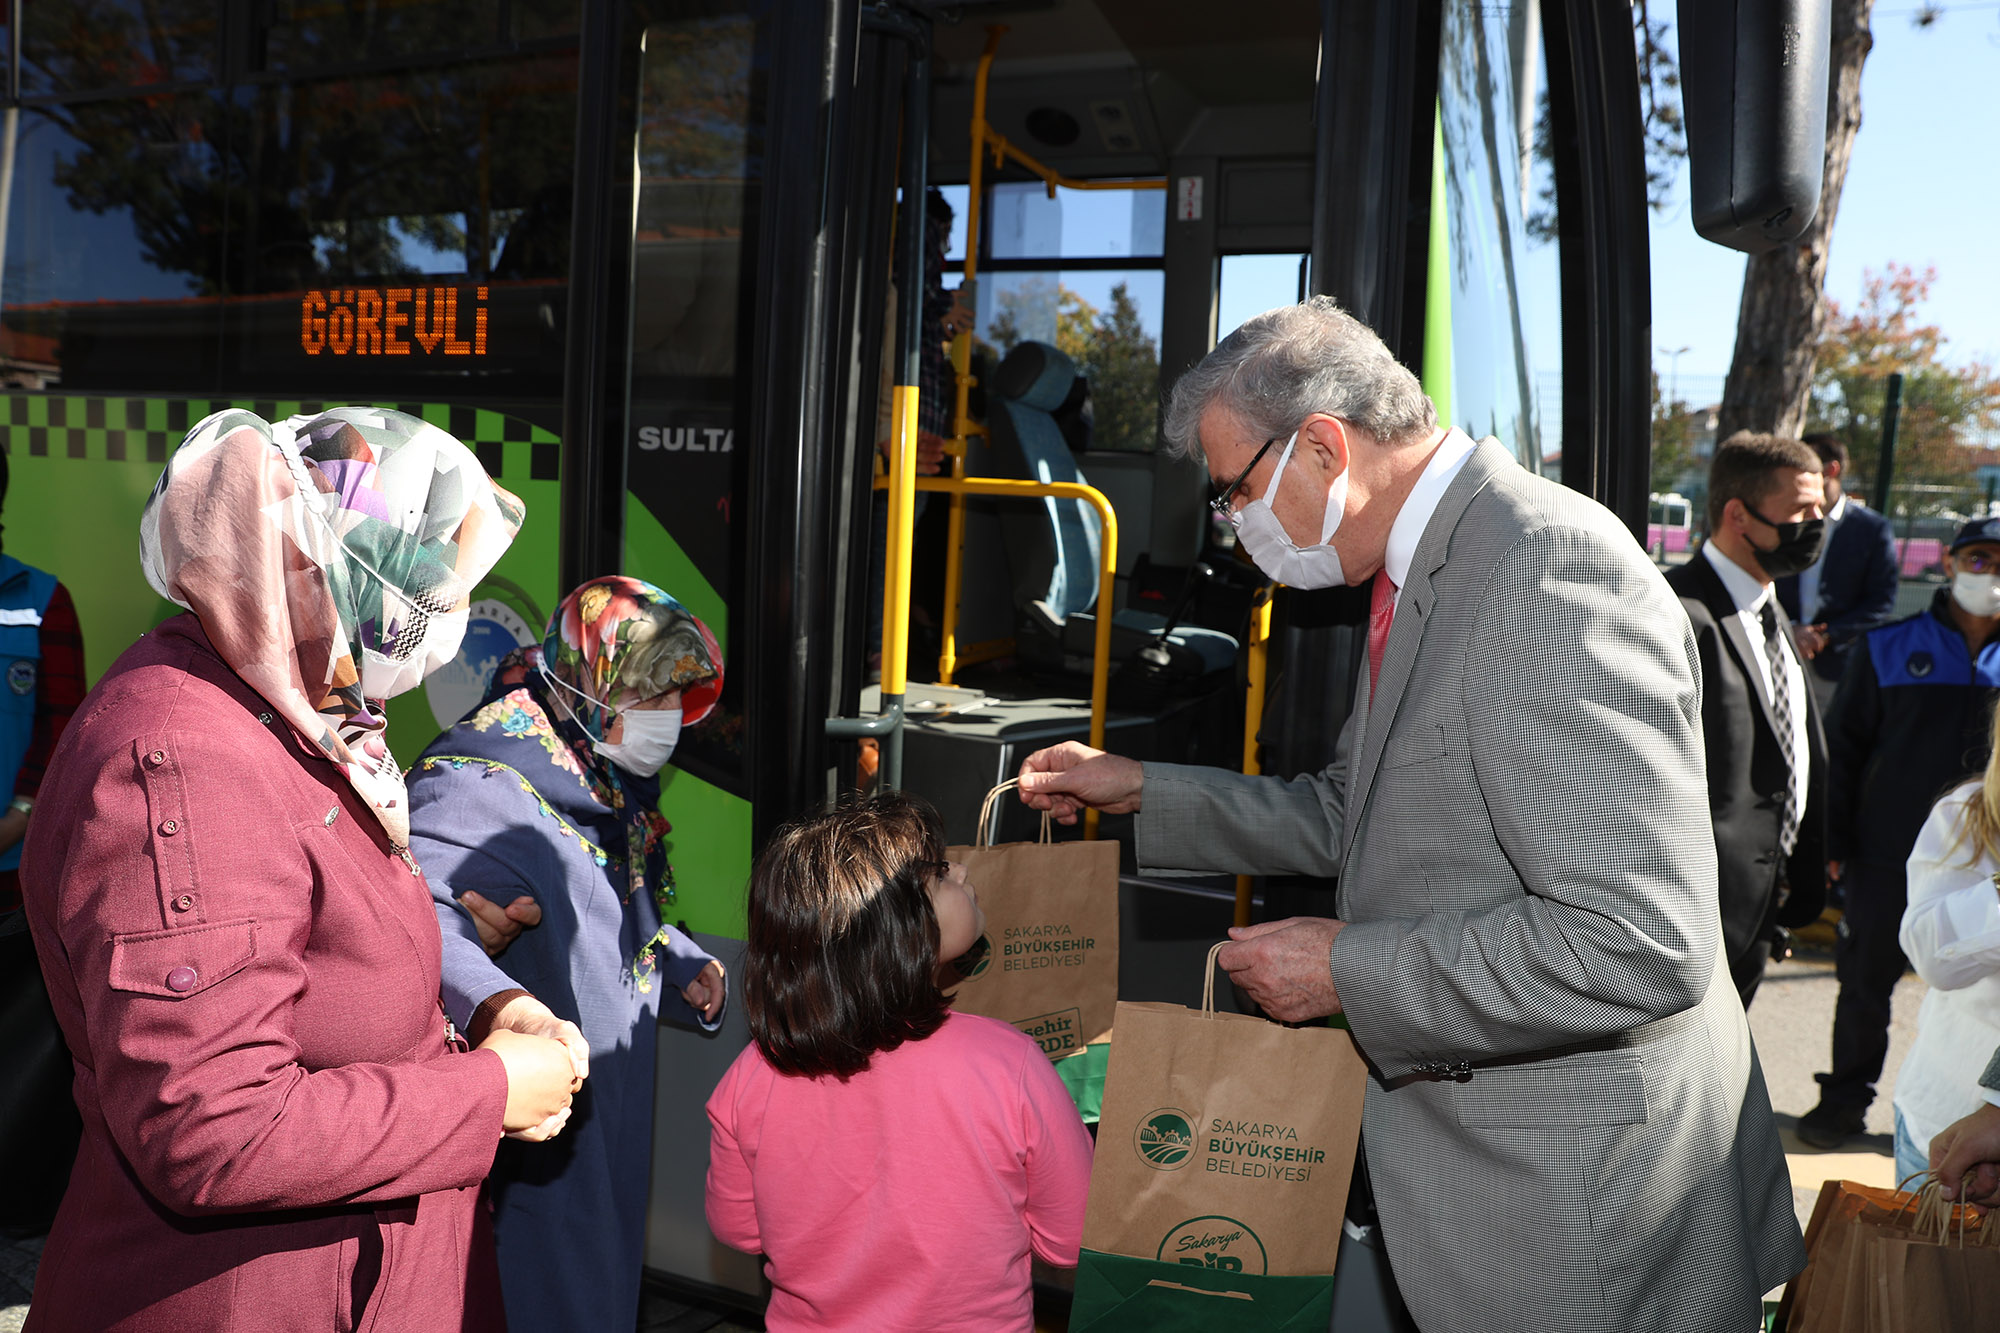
<point>79,426</point>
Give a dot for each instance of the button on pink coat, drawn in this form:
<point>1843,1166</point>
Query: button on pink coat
<point>277,1135</point>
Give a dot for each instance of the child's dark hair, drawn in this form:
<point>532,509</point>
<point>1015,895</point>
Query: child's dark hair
<point>842,958</point>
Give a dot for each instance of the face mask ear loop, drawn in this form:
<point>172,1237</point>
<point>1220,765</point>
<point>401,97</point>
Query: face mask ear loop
<point>560,683</point>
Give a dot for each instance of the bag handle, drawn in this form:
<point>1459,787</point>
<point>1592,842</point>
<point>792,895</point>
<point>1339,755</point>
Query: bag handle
<point>984,837</point>
<point>1208,982</point>
<point>1935,1218</point>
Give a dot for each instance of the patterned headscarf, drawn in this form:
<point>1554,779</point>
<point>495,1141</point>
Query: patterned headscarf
<point>304,545</point>
<point>616,641</point>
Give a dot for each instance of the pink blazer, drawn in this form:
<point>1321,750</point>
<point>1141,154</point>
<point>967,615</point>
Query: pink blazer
<point>276,1133</point>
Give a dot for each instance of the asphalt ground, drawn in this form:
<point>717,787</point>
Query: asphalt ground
<point>1791,1021</point>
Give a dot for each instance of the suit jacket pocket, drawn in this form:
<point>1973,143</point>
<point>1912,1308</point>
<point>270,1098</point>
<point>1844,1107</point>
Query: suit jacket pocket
<point>174,964</point>
<point>1588,1088</point>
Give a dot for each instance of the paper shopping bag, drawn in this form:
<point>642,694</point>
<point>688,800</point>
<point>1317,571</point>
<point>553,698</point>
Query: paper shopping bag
<point>1117,1294</point>
<point>1814,1297</point>
<point>1883,1261</point>
<point>1048,962</point>
<point>1933,1270</point>
<point>1226,1142</point>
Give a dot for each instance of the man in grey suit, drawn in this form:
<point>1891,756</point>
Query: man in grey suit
<point>1568,1127</point>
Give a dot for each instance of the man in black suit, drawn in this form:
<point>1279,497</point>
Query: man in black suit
<point>1851,588</point>
<point>1760,725</point>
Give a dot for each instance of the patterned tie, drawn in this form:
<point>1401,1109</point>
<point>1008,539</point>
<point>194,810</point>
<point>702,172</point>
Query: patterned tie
<point>1781,707</point>
<point>1381,614</point>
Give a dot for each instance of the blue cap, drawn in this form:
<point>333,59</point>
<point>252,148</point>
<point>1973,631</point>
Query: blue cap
<point>1979,530</point>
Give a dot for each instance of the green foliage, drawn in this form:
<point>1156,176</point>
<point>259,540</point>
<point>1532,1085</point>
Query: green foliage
<point>1110,347</point>
<point>1943,405</point>
<point>1674,461</point>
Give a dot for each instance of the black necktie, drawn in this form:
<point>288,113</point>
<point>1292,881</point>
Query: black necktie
<point>1781,708</point>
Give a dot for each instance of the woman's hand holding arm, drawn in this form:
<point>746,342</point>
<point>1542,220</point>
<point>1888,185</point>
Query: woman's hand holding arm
<point>540,1078</point>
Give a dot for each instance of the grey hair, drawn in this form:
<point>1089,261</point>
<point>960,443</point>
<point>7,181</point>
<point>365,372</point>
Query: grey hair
<point>1291,362</point>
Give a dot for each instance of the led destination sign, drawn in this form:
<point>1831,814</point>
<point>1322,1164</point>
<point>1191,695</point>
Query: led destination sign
<point>393,321</point>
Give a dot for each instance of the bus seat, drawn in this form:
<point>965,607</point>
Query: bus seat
<point>1053,545</point>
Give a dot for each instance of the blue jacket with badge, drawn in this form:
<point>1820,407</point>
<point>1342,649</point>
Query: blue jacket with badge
<point>24,598</point>
<point>1912,718</point>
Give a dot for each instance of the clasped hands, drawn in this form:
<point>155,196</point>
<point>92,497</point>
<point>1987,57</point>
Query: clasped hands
<point>1282,965</point>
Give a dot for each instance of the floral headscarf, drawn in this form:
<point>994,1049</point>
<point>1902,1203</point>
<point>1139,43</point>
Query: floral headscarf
<point>616,641</point>
<point>305,544</point>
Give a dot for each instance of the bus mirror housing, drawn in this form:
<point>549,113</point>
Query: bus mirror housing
<point>1753,81</point>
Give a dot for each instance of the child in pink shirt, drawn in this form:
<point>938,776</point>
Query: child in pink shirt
<point>894,1162</point>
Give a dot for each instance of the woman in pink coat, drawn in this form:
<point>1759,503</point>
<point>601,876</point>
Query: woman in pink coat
<point>280,1130</point>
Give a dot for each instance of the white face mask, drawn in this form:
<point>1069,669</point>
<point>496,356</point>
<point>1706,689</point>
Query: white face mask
<point>1977,593</point>
<point>650,733</point>
<point>1265,540</point>
<point>650,737</point>
<point>385,677</point>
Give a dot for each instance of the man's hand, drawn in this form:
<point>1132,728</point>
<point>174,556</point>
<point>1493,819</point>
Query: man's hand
<point>705,993</point>
<point>500,926</point>
<point>1283,966</point>
<point>1811,639</point>
<point>1065,779</point>
<point>1833,869</point>
<point>1967,1154</point>
<point>529,1016</point>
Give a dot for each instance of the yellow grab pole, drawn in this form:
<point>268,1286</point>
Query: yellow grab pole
<point>902,524</point>
<point>1253,717</point>
<point>961,363</point>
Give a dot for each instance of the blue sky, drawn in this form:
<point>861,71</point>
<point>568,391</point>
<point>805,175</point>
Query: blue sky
<point>1922,189</point>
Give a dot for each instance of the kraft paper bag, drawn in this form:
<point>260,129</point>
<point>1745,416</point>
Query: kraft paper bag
<point>1116,1294</point>
<point>1938,1274</point>
<point>1813,1298</point>
<point>1883,1261</point>
<point>1226,1142</point>
<point>1048,962</point>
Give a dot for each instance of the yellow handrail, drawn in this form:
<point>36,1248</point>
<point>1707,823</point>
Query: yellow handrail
<point>1107,573</point>
<point>1253,716</point>
<point>985,139</point>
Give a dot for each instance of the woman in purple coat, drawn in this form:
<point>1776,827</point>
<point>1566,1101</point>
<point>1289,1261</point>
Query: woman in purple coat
<point>281,1130</point>
<point>544,801</point>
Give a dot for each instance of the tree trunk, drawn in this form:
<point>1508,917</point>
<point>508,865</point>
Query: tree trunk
<point>1783,313</point>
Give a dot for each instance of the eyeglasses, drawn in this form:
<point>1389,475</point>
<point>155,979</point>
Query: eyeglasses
<point>1976,562</point>
<point>1221,503</point>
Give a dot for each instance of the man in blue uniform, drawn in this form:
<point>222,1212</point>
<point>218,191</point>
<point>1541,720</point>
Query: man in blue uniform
<point>1910,719</point>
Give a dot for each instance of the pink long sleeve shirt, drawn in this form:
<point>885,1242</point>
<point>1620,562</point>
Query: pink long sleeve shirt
<point>908,1197</point>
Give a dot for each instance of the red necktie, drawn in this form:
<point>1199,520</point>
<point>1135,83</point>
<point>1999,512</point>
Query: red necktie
<point>1381,615</point>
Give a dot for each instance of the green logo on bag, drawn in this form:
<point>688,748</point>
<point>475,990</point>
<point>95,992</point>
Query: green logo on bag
<point>1217,1242</point>
<point>1166,1138</point>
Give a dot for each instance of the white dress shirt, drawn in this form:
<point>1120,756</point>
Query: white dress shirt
<point>1951,934</point>
<point>1750,596</point>
<point>1408,529</point>
<point>1809,578</point>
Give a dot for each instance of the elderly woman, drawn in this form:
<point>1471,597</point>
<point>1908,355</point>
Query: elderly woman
<point>542,806</point>
<point>281,1130</point>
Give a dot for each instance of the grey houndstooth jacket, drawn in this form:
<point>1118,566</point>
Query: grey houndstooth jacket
<point>1568,1127</point>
